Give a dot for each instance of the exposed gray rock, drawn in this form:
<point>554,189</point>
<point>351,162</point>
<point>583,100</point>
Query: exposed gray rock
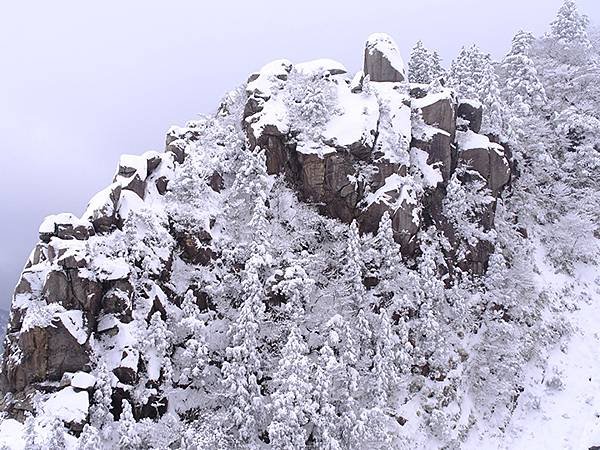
<point>102,209</point>
<point>382,59</point>
<point>45,354</point>
<point>471,112</point>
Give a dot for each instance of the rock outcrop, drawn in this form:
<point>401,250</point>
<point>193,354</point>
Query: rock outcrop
<point>387,146</point>
<point>352,149</point>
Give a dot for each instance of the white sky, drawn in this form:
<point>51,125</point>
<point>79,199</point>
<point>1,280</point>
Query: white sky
<point>83,82</point>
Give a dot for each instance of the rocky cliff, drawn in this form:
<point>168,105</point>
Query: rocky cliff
<point>350,148</point>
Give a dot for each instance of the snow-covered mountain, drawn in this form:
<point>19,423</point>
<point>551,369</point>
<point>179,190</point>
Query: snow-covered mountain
<point>398,258</point>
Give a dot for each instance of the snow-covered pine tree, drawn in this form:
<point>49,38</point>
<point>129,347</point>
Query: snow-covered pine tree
<point>495,114</point>
<point>243,366</point>
<point>425,65</point>
<point>466,72</point>
<point>54,430</point>
<point>391,266</point>
<point>432,350</point>
<point>326,432</point>
<point>420,64</point>
<point>129,438</point>
<point>89,439</point>
<point>570,27</point>
<point>519,76</point>
<point>100,412</point>
<point>292,400</point>
<point>437,70</point>
<point>30,434</point>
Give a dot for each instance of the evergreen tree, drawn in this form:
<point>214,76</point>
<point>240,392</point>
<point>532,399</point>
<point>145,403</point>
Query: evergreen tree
<point>420,64</point>
<point>327,430</point>
<point>30,434</point>
<point>129,438</point>
<point>243,366</point>
<point>385,371</point>
<point>89,439</point>
<point>292,401</point>
<point>425,66</point>
<point>100,412</point>
<point>391,265</point>
<point>437,70</point>
<point>467,72</point>
<point>520,78</point>
<point>570,27</point>
<point>54,433</point>
<point>495,115</point>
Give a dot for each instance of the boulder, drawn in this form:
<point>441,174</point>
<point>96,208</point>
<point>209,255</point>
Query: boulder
<point>382,59</point>
<point>73,291</point>
<point>132,173</point>
<point>471,113</point>
<point>436,130</point>
<point>117,300</point>
<point>102,209</point>
<point>488,158</point>
<point>65,226</point>
<point>162,184</point>
<point>127,371</point>
<point>44,354</point>
<point>195,248</point>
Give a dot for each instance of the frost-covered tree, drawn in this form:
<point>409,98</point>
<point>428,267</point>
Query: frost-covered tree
<point>157,345</point>
<point>437,69</point>
<point>357,300</point>
<point>425,65</point>
<point>466,201</point>
<point>519,76</point>
<point>419,66</point>
<point>30,434</point>
<point>100,412</point>
<point>386,370</point>
<point>54,431</point>
<point>129,438</point>
<point>244,365</point>
<point>292,400</point>
<point>474,76</point>
<point>467,72</point>
<point>390,262</point>
<point>570,27</point>
<point>89,439</point>
<point>495,116</point>
<point>326,432</point>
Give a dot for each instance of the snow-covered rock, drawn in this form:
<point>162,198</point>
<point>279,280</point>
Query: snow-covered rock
<point>383,61</point>
<point>83,380</point>
<point>69,405</point>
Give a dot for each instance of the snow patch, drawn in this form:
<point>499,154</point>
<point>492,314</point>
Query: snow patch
<point>354,120</point>
<point>107,269</point>
<point>393,183</point>
<point>321,66</point>
<point>469,140</point>
<point>83,380</point>
<point>269,75</point>
<point>73,322</point>
<point>68,405</point>
<point>431,175</point>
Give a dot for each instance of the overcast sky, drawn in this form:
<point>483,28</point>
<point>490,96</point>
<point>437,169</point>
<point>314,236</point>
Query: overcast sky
<point>83,82</point>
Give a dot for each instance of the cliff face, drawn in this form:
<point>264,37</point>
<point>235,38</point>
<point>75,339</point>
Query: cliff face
<point>389,146</point>
<point>351,149</point>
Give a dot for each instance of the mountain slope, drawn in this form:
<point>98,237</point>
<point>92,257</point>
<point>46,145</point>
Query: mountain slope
<point>328,262</point>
